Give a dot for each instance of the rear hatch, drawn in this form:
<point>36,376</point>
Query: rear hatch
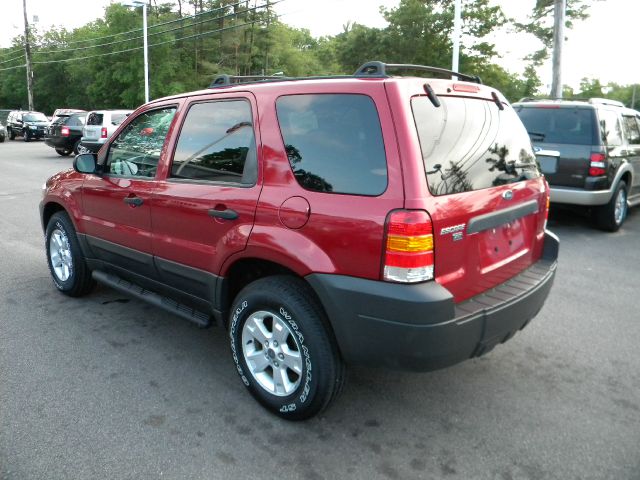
<point>93,128</point>
<point>55,129</point>
<point>569,129</point>
<point>486,196</point>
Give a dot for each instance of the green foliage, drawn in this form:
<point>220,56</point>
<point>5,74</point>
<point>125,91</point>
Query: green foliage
<point>100,65</point>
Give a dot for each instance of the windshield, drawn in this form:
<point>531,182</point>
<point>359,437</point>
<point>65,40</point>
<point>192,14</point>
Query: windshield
<point>469,144</point>
<point>35,117</point>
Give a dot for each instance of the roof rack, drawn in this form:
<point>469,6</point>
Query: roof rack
<point>606,101</point>
<point>367,70</point>
<point>379,70</point>
<point>595,100</point>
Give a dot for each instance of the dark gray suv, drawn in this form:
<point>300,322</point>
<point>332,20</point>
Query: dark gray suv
<point>591,154</point>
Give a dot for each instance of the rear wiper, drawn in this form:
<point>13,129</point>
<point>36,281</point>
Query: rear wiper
<point>537,134</point>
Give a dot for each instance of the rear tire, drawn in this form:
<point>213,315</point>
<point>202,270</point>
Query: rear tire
<point>283,348</point>
<point>67,265</point>
<point>611,216</point>
<point>62,152</point>
<point>76,147</point>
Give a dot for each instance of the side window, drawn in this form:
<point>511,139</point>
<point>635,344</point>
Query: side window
<point>136,150</point>
<point>610,127</point>
<point>217,144</point>
<point>631,130</point>
<point>334,142</point>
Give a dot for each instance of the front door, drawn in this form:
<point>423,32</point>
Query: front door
<point>117,204</point>
<point>204,209</point>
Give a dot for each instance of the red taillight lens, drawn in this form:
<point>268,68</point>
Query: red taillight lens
<point>408,247</point>
<point>597,165</point>
<point>103,132</point>
<point>64,131</point>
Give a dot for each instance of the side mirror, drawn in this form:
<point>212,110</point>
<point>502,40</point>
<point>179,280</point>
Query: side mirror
<point>85,163</point>
<point>18,120</point>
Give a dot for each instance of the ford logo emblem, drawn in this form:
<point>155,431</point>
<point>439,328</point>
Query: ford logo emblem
<point>507,195</point>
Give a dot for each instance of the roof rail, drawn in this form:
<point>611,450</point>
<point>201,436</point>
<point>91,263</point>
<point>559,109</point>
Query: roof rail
<point>606,101</point>
<point>225,80</point>
<point>379,70</point>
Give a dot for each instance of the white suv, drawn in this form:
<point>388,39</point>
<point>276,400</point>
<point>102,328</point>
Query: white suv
<point>99,127</point>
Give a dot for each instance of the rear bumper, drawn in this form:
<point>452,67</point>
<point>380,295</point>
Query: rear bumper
<point>419,327</point>
<point>92,146</point>
<point>579,196</point>
<point>59,142</point>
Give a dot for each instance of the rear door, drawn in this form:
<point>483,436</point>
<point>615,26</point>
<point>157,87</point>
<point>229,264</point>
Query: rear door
<point>569,129</point>
<point>93,126</point>
<point>488,205</point>
<point>204,208</point>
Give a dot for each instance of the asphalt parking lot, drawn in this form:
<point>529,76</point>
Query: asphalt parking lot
<point>107,387</point>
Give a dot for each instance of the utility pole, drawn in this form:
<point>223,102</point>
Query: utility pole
<point>633,96</point>
<point>27,54</point>
<point>558,39</point>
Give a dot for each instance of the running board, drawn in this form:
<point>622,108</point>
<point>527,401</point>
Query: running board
<point>633,201</point>
<point>199,318</point>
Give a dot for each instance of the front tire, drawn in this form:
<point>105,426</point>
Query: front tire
<point>611,216</point>
<point>25,136</point>
<point>67,266</point>
<point>283,348</point>
<point>12,134</point>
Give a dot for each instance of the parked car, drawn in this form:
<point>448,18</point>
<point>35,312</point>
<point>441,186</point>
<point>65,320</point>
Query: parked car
<point>375,220</point>
<point>99,126</point>
<point>3,116</point>
<point>28,125</point>
<point>64,112</point>
<point>598,161</point>
<point>64,134</point>
<point>3,132</point>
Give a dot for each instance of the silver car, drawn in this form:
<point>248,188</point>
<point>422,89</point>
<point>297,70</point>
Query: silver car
<point>99,126</point>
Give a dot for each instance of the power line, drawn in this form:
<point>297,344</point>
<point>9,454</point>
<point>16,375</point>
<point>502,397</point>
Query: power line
<point>191,25</point>
<point>157,25</point>
<point>198,35</point>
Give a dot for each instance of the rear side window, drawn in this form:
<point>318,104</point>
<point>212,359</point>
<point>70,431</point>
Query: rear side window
<point>631,130</point>
<point>559,125</point>
<point>94,119</point>
<point>610,127</point>
<point>469,144</point>
<point>217,144</point>
<point>334,143</point>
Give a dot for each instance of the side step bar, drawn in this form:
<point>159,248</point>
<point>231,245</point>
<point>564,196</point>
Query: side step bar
<point>199,318</point>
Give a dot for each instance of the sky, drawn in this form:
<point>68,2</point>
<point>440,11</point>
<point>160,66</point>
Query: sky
<point>601,47</point>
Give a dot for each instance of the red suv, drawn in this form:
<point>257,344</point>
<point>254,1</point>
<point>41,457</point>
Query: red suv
<point>368,219</point>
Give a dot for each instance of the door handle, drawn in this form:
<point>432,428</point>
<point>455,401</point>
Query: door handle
<point>133,201</point>
<point>227,214</point>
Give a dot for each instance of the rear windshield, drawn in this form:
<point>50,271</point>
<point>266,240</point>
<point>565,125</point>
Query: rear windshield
<point>559,125</point>
<point>35,117</point>
<point>94,119</point>
<point>469,144</point>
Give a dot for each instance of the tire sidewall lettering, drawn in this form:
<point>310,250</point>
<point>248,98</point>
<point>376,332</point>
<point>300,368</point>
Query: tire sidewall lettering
<point>303,393</point>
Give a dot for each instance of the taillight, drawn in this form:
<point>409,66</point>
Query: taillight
<point>64,131</point>
<point>408,247</point>
<point>597,166</point>
<point>103,132</point>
